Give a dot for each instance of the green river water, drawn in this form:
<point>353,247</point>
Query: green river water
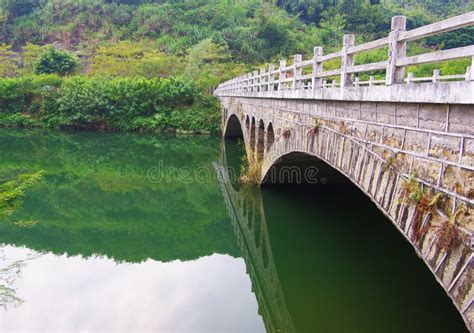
<point>136,232</point>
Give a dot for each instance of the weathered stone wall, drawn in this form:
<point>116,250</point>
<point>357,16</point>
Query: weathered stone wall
<point>401,155</point>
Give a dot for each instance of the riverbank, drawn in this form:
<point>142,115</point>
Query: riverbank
<point>104,103</point>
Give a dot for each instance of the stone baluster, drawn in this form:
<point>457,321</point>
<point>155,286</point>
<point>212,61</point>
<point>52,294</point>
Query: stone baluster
<point>296,71</point>
<point>435,76</point>
<point>271,68</point>
<point>281,75</point>
<point>317,68</point>
<point>396,50</point>
<point>255,80</point>
<point>470,71</point>
<point>371,81</point>
<point>347,60</point>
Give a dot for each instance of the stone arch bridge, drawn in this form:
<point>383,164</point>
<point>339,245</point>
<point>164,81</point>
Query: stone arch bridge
<point>407,142</point>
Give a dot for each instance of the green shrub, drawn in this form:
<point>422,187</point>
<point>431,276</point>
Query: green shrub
<point>132,104</point>
<point>56,61</point>
<point>17,120</point>
<point>12,95</point>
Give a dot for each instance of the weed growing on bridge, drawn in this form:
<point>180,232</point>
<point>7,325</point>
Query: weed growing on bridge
<point>251,170</point>
<point>343,128</point>
<point>389,163</point>
<point>286,133</point>
<point>447,233</point>
<point>424,204</point>
<point>314,130</point>
<point>411,189</point>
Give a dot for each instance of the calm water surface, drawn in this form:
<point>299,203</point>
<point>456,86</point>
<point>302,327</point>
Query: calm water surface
<point>142,232</point>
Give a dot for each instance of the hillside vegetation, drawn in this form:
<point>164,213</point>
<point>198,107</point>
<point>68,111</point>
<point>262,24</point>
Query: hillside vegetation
<point>197,42</point>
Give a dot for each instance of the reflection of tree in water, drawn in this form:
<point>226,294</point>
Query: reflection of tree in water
<point>10,272</point>
<point>12,190</point>
<point>97,199</point>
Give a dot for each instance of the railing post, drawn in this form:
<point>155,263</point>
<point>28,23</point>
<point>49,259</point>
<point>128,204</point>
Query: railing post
<point>264,83</point>
<point>255,80</point>
<point>271,68</point>
<point>410,77</point>
<point>396,50</point>
<point>281,75</point>
<point>470,71</point>
<point>250,82</point>
<point>371,81</point>
<point>347,61</point>
<point>296,71</point>
<point>435,75</point>
<point>317,67</point>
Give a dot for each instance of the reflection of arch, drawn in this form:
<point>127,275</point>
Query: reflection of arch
<point>260,140</point>
<point>248,220</point>
<point>270,136</point>
<point>252,135</point>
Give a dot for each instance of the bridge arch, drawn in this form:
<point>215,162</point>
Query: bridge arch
<point>298,167</point>
<point>233,128</point>
<point>270,136</point>
<point>252,135</point>
<point>260,140</point>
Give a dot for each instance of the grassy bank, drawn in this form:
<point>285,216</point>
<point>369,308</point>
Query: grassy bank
<point>126,104</point>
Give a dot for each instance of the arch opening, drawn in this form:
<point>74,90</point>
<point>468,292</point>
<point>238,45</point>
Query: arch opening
<point>270,136</point>
<point>247,122</point>
<point>252,135</point>
<point>298,168</point>
<point>233,128</point>
<point>260,141</point>
<point>234,150</point>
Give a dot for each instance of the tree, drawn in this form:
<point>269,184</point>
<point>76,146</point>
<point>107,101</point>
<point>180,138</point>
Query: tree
<point>332,28</point>
<point>21,7</point>
<point>56,61</point>
<point>205,63</point>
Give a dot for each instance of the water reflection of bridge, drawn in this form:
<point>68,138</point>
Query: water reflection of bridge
<point>248,220</point>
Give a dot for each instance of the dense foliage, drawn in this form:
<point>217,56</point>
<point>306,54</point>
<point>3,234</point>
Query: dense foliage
<point>56,61</point>
<point>107,103</point>
<point>203,41</point>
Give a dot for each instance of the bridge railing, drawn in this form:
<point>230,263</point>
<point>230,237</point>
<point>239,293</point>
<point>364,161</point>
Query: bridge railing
<point>310,73</point>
